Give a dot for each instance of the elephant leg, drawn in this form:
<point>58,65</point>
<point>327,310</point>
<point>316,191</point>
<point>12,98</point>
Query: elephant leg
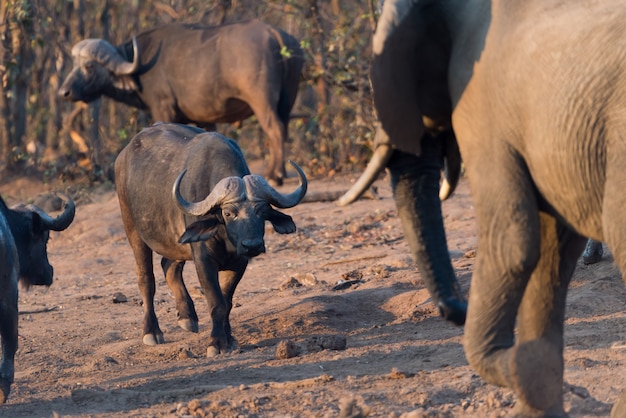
<point>593,252</point>
<point>187,316</point>
<point>508,252</point>
<point>415,183</point>
<point>537,358</point>
<point>229,279</point>
<point>619,408</point>
<point>533,364</point>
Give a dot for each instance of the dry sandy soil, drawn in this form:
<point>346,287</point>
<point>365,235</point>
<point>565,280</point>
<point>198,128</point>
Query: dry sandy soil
<point>345,275</point>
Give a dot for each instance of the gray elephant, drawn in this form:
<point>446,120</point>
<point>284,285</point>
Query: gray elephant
<point>535,93</point>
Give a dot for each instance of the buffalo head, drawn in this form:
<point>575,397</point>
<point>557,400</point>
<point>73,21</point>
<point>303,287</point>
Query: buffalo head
<point>98,67</point>
<point>31,228</point>
<point>242,205</point>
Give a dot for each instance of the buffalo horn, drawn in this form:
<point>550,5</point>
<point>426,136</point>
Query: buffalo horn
<point>106,54</point>
<point>374,167</point>
<point>62,221</point>
<point>258,188</point>
<point>226,190</point>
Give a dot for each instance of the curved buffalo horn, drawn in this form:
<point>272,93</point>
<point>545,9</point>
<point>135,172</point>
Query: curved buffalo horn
<point>258,188</point>
<point>374,167</point>
<point>61,222</point>
<point>106,54</point>
<point>226,190</point>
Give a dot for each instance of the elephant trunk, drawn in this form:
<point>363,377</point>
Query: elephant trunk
<point>415,183</point>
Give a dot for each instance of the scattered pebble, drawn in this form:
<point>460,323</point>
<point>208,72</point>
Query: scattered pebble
<point>326,342</point>
<point>286,349</point>
<point>119,297</point>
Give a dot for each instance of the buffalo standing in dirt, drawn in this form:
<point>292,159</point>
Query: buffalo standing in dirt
<point>24,233</point>
<point>190,73</point>
<point>225,229</point>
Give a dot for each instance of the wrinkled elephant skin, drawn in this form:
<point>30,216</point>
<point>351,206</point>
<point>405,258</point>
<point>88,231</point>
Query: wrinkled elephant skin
<point>535,93</point>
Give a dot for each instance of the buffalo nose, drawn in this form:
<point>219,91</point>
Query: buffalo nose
<point>253,247</point>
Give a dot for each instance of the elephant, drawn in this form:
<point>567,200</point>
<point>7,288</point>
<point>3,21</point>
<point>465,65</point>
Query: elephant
<point>534,92</point>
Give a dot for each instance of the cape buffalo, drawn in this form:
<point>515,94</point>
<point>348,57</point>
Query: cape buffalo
<point>225,228</point>
<point>24,232</point>
<point>190,73</point>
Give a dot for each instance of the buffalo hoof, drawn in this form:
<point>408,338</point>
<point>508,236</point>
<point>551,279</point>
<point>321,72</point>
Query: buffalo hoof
<point>593,252</point>
<point>453,310</point>
<point>151,339</point>
<point>188,325</point>
<point>5,388</point>
<point>214,350</point>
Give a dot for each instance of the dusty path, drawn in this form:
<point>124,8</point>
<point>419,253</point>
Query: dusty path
<point>80,341</point>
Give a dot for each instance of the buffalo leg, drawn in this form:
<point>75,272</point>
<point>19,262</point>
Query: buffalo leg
<point>209,281</point>
<point>8,333</point>
<point>152,334</point>
<point>229,279</point>
<point>593,252</point>
<point>187,316</point>
<point>276,130</point>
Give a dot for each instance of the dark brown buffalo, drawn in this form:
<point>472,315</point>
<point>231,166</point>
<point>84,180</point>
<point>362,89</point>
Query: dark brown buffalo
<point>24,233</point>
<point>190,73</point>
<point>220,232</point>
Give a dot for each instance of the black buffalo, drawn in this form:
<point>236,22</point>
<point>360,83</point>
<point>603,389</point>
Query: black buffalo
<point>190,73</point>
<point>225,226</point>
<point>24,233</point>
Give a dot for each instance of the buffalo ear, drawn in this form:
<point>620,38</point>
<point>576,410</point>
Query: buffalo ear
<point>37,225</point>
<point>283,224</point>
<point>200,231</point>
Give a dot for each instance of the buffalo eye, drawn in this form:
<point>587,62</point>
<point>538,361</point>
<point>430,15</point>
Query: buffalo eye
<point>228,214</point>
<point>89,68</point>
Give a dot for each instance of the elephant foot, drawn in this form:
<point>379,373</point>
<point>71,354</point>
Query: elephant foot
<point>535,373</point>
<point>188,325</point>
<point>619,409</point>
<point>593,252</point>
<point>153,339</point>
<point>453,310</point>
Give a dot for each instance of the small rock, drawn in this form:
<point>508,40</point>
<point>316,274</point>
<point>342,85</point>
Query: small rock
<point>286,349</point>
<point>290,283</point>
<point>119,297</point>
<point>349,408</point>
<point>326,342</point>
<point>307,279</point>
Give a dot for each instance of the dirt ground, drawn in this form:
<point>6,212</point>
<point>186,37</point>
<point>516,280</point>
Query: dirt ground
<point>342,290</point>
